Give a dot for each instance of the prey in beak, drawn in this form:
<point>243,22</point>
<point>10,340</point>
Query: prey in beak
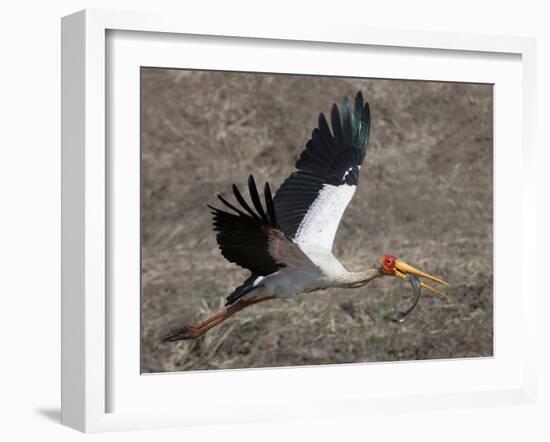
<point>394,267</point>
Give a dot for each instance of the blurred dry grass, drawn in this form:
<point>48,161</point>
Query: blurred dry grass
<point>425,195</point>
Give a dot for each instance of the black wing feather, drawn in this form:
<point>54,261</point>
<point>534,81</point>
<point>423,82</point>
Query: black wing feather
<point>336,125</point>
<point>242,202</point>
<point>346,122</point>
<point>269,204</point>
<point>256,199</point>
<point>357,118</point>
<point>223,200</point>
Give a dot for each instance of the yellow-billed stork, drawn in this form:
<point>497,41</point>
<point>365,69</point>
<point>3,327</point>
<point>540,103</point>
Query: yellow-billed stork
<point>287,245</point>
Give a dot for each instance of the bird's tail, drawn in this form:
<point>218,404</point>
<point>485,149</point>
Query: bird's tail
<point>252,283</point>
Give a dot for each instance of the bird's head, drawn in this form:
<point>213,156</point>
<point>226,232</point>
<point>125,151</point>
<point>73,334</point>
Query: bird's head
<point>390,265</point>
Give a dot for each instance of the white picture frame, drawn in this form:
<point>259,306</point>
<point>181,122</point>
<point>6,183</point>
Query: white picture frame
<point>89,320</point>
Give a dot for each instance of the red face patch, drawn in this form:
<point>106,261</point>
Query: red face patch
<point>388,264</point>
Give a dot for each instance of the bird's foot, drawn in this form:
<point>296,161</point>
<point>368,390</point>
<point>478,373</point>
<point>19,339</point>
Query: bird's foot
<point>179,334</point>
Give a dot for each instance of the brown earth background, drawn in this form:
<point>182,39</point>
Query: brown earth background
<point>424,195</point>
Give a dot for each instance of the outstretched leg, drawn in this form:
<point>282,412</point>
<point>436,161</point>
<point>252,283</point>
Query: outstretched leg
<point>194,331</point>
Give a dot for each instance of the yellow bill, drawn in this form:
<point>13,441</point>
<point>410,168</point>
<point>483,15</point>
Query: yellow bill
<point>401,269</point>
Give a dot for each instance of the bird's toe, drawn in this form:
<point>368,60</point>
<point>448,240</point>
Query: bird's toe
<point>189,332</point>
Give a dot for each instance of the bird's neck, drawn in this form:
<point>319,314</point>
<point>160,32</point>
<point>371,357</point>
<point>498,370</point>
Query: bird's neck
<point>357,279</point>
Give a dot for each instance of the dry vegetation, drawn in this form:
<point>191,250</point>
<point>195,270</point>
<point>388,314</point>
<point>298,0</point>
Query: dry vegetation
<point>425,195</point>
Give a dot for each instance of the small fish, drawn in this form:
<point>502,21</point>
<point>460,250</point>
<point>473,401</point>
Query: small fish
<point>415,283</point>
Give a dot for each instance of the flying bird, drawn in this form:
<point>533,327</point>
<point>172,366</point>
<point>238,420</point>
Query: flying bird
<point>286,240</point>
